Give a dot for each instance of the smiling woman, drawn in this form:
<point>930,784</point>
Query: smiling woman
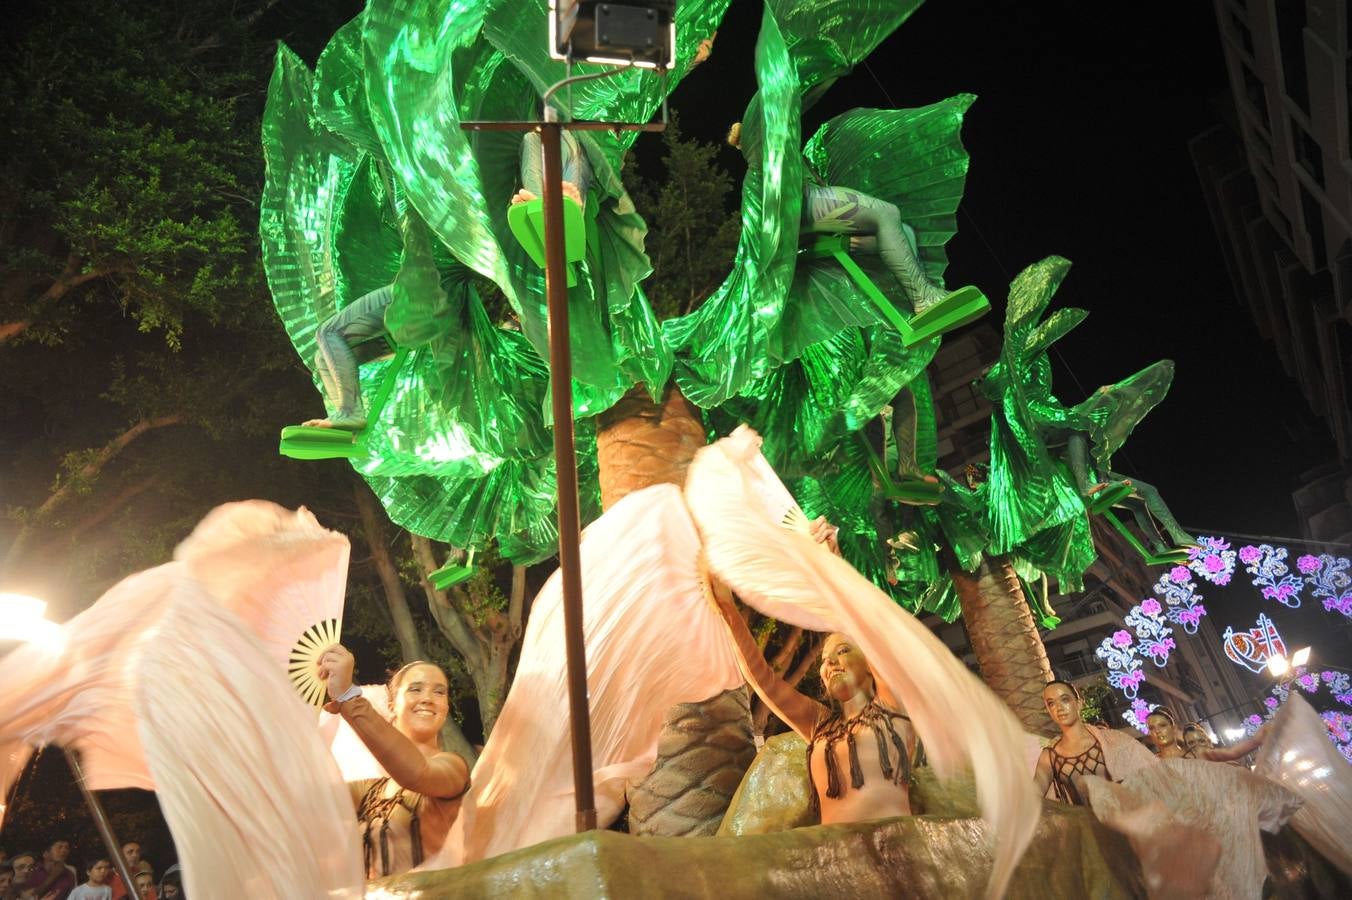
<point>405,815</point>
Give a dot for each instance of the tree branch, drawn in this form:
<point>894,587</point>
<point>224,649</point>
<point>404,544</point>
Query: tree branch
<point>395,599</point>
<point>12,329</point>
<point>516,605</point>
<point>86,472</point>
<point>103,514</point>
<point>450,619</point>
<point>787,649</point>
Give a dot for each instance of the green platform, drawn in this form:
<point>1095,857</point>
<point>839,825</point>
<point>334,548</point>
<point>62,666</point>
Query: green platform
<point>307,442</point>
<point>966,304</point>
<point>527,221</point>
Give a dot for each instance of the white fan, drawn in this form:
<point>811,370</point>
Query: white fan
<point>796,520</point>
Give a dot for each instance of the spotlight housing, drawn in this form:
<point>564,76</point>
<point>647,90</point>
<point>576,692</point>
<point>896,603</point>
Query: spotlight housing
<point>637,32</point>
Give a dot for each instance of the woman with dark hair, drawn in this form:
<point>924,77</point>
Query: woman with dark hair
<point>1196,742</point>
<point>856,733</point>
<point>406,814</point>
<point>1081,750</point>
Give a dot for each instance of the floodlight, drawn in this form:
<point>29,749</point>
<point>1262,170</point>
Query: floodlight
<point>1278,666</point>
<point>1300,657</point>
<point>21,607</point>
<point>636,32</point>
<point>1234,734</point>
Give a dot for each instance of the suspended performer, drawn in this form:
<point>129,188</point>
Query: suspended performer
<point>363,320</point>
<point>406,815</point>
<point>872,224</point>
<point>861,752</point>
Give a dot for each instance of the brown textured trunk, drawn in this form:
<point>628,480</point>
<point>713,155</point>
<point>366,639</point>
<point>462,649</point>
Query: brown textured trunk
<point>1005,640</point>
<point>641,443</point>
<point>705,747</point>
<point>396,601</point>
<point>704,751</point>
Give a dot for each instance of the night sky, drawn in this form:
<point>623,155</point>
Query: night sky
<point>1079,148</point>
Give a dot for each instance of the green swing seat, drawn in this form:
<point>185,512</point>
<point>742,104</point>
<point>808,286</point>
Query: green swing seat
<point>308,442</point>
<point>527,221</point>
<point>1101,503</point>
<point>452,574</point>
<point>966,304</point>
<point>907,489</point>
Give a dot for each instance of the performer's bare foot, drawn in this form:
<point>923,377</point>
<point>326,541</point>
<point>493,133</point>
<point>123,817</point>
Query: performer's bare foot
<point>342,423</point>
<point>704,50</point>
<point>569,190</point>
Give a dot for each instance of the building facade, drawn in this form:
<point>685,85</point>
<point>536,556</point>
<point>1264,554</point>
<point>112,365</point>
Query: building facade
<point>1278,183</point>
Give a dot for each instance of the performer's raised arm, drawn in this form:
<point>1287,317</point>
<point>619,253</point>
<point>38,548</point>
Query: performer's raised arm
<point>799,712</point>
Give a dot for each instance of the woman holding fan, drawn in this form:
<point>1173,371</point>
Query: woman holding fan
<point>405,815</point>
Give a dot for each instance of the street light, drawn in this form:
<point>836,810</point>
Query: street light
<point>23,619</point>
<point>1279,666</point>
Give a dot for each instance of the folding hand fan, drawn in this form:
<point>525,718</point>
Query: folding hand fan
<point>282,573</point>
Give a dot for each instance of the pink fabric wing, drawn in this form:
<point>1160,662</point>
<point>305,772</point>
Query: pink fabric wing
<point>277,569</point>
<point>73,692</point>
<point>1228,804</point>
<point>255,803</point>
<point>736,499</point>
<point>653,640</point>
<point>1298,755</point>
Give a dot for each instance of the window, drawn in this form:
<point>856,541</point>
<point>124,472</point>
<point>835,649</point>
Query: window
<point>1309,154</point>
<point>1314,227</point>
<point>1242,33</point>
<point>1291,37</point>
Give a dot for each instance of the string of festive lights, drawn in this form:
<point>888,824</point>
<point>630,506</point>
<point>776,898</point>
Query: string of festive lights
<point>1177,601</point>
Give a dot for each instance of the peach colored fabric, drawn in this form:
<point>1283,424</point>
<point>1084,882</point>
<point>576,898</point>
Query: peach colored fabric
<point>1298,755</point>
<point>653,640</point>
<point>160,687</point>
<point>738,503</point>
<point>1189,802</point>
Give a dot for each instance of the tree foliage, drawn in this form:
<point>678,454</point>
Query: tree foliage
<point>692,236</point>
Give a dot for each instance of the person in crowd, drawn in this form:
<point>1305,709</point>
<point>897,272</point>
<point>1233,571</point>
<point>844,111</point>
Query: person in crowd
<point>53,875</point>
<point>171,883</point>
<point>1195,741</point>
<point>99,874</point>
<point>861,752</point>
<point>405,816</point>
<point>6,877</point>
<point>22,865</point>
<point>145,885</point>
<point>1164,734</point>
<point>1081,750</point>
<point>131,852</point>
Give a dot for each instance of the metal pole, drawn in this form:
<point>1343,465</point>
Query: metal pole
<point>101,820</point>
<point>565,469</point>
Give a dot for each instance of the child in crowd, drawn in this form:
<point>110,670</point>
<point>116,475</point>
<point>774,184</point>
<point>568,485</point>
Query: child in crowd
<point>99,873</point>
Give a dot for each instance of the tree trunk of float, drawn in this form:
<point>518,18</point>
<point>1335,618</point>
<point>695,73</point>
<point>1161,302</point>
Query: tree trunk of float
<point>1004,638</point>
<point>705,747</point>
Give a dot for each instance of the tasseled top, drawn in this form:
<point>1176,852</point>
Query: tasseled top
<point>374,813</point>
<point>875,717</point>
